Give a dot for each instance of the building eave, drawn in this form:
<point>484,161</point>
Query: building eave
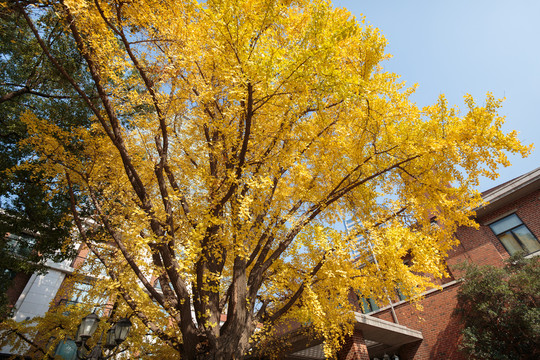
<point>509,192</point>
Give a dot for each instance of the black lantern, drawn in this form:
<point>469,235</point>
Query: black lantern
<point>88,327</point>
<point>121,330</point>
<point>114,337</point>
<point>110,342</point>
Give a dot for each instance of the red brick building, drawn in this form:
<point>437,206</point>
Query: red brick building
<point>509,223</point>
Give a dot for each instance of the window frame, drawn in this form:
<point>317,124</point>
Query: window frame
<point>513,234</point>
<point>367,305</point>
<point>20,245</point>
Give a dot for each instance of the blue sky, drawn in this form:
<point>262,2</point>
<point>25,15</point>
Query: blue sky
<point>458,47</point>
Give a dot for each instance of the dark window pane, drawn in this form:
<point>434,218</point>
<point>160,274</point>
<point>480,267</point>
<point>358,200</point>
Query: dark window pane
<point>400,295</point>
<point>373,305</point>
<point>20,245</point>
<point>527,239</point>
<point>510,243</point>
<point>505,224</point>
<point>366,308</point>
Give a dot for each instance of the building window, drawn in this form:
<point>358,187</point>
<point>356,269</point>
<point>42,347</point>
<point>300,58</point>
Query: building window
<point>514,235</point>
<point>399,294</point>
<point>8,273</point>
<point>79,292</point>
<point>20,245</point>
<point>368,305</point>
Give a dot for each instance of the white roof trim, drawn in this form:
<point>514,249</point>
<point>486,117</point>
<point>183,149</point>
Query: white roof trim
<point>512,186</point>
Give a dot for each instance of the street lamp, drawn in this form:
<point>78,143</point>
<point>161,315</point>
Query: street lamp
<point>110,341</point>
<point>87,327</point>
<point>121,330</point>
<point>115,336</point>
<point>117,333</point>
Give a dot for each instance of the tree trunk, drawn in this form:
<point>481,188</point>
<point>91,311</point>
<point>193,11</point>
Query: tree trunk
<point>232,345</point>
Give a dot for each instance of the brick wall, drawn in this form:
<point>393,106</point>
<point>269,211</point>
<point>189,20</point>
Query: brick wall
<point>439,327</point>
<point>354,347</point>
<point>17,286</point>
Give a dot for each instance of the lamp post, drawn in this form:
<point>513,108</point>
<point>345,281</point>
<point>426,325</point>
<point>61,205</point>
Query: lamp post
<point>115,336</point>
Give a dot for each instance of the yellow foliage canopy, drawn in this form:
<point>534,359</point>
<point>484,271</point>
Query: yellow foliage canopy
<point>230,140</point>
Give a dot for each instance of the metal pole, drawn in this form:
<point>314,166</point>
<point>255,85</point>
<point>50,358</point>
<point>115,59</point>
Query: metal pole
<point>394,316</point>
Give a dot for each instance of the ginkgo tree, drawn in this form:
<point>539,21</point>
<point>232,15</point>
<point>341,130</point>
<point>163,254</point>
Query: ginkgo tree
<point>230,139</point>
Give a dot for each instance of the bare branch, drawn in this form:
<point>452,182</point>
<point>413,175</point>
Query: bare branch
<point>64,72</point>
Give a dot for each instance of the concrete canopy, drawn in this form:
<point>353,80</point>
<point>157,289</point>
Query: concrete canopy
<point>380,336</point>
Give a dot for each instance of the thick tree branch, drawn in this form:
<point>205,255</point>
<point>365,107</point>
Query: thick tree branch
<point>135,180</point>
<point>121,289</point>
<point>14,94</point>
<point>31,343</point>
<point>257,272</point>
<point>125,253</point>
